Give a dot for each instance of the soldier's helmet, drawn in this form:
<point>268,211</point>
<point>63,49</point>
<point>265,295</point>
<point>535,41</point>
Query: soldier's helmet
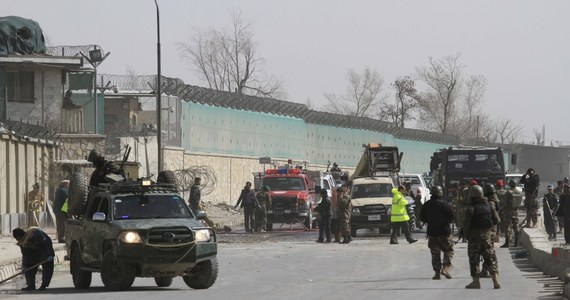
<point>476,191</point>
<point>512,183</point>
<point>335,164</point>
<point>437,191</point>
<point>94,156</point>
<point>488,189</point>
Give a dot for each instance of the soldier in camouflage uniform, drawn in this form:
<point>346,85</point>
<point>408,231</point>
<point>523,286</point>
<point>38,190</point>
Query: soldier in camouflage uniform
<point>438,215</point>
<point>491,195</point>
<point>480,216</point>
<point>344,212</point>
<point>264,201</point>
<point>510,213</point>
<point>531,182</point>
<point>501,194</point>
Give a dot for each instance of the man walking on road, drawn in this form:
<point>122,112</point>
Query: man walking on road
<point>247,201</point>
<point>399,216</point>
<point>438,214</point>
<point>510,211</point>
<point>325,212</point>
<point>480,217</point>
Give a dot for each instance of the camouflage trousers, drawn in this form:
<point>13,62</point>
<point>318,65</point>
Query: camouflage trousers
<point>344,222</point>
<point>510,224</point>
<point>477,247</point>
<point>260,219</point>
<point>438,244</point>
<point>531,206</point>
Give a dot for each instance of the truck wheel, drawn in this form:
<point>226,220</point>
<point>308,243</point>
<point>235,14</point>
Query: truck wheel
<point>167,177</point>
<point>203,275</point>
<point>115,274</point>
<point>81,278</point>
<point>269,226</point>
<point>78,190</point>
<point>308,220</point>
<point>163,281</point>
<point>353,230</point>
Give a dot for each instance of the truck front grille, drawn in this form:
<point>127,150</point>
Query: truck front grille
<point>368,210</point>
<point>289,203</point>
<point>170,235</point>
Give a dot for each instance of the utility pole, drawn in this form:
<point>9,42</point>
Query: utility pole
<point>158,90</point>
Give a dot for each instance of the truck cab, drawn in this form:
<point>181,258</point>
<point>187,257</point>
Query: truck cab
<point>371,200</point>
<point>292,196</point>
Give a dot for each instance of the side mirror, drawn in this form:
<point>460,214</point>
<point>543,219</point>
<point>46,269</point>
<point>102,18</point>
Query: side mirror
<point>200,215</point>
<point>99,216</point>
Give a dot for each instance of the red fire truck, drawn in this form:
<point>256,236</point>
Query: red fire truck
<point>293,196</point>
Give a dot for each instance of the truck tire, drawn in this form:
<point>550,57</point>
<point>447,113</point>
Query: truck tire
<point>78,191</point>
<point>81,278</point>
<point>163,281</point>
<point>203,275</point>
<point>115,274</point>
<point>167,177</point>
<point>308,220</point>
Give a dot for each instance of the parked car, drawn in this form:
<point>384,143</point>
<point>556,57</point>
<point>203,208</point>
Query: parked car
<point>419,185</point>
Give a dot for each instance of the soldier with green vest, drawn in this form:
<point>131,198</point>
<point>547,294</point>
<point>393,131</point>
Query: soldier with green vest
<point>513,200</point>
<point>480,217</point>
<point>399,216</point>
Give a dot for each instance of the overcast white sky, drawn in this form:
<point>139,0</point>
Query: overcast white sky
<point>521,47</point>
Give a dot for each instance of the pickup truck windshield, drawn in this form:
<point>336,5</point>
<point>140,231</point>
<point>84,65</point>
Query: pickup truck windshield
<point>371,190</point>
<point>150,207</point>
<point>284,183</point>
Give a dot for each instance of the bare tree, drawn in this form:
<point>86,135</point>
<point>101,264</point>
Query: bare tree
<point>508,132</point>
<point>228,60</point>
<point>405,101</point>
<point>443,76</point>
<point>363,91</point>
<point>452,103</point>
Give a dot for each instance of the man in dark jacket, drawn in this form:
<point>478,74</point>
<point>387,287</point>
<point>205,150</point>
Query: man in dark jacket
<point>247,201</point>
<point>531,182</point>
<point>549,206</point>
<point>438,214</point>
<point>102,168</point>
<point>325,213</point>
<point>60,216</point>
<point>36,247</point>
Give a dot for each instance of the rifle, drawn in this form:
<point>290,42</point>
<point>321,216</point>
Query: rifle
<point>125,158</point>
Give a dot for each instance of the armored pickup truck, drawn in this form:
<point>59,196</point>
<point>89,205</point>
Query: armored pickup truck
<point>137,229</point>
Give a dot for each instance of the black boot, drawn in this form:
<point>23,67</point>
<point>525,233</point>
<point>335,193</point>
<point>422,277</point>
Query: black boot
<point>506,244</point>
<point>516,243</point>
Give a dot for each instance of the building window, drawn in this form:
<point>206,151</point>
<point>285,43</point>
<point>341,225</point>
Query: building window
<point>20,87</point>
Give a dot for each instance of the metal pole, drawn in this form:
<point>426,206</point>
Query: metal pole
<point>158,90</point>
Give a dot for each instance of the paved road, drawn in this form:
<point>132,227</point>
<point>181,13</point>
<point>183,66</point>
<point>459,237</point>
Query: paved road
<point>289,265</point>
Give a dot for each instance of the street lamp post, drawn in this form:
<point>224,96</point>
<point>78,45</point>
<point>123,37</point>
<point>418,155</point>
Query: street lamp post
<point>158,90</point>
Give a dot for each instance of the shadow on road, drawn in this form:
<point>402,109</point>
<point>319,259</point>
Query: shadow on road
<point>551,286</point>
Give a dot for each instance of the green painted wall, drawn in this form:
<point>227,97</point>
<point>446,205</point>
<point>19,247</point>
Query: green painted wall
<point>211,129</point>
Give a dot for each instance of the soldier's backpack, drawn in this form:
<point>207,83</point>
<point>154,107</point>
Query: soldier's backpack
<point>517,197</point>
<point>482,216</point>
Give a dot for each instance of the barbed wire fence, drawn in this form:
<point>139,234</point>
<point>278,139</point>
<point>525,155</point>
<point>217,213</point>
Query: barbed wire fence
<point>185,178</point>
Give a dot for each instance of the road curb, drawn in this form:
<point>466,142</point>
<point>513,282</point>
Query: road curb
<point>541,254</point>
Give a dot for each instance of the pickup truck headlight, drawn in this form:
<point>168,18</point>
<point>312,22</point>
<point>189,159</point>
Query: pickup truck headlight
<point>389,210</point>
<point>203,235</point>
<point>356,211</point>
<point>130,237</point>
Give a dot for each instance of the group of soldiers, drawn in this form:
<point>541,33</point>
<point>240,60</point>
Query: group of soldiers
<point>255,205</point>
<point>479,211</point>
